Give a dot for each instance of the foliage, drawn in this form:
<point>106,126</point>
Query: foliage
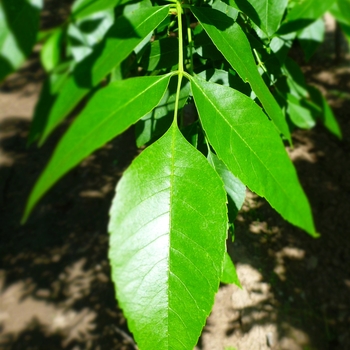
<point>150,62</point>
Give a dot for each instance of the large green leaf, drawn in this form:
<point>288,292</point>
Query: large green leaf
<point>127,32</point>
<point>168,228</point>
<point>234,45</point>
<point>266,14</point>
<point>249,146</point>
<point>104,117</point>
<point>19,24</point>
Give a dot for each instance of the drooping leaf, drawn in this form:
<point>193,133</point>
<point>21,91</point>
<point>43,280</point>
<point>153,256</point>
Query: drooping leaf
<point>127,32</point>
<point>303,14</point>
<point>168,229</point>
<point>19,25</point>
<point>311,37</point>
<point>327,116</point>
<point>104,117</point>
<point>266,14</point>
<point>233,44</point>
<point>250,148</point>
<point>229,273</point>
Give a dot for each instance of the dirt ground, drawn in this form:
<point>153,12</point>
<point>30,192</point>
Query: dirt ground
<point>55,290</point>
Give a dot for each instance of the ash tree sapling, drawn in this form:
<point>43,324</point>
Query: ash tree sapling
<point>148,63</point>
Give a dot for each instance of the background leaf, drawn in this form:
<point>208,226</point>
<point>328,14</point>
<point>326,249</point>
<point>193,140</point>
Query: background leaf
<point>234,45</point>
<point>168,229</point>
<point>229,273</point>
<point>104,117</point>
<point>311,37</point>
<point>19,25</point>
<point>248,145</point>
<point>266,14</point>
<point>127,32</point>
<point>303,14</point>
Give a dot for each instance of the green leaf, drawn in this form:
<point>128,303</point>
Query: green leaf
<point>168,229</point>
<point>229,273</point>
<point>327,117</point>
<point>300,116</point>
<point>161,53</point>
<point>104,117</point>
<point>127,32</point>
<point>340,10</point>
<point>50,53</point>
<point>86,8</point>
<point>311,37</point>
<point>266,14</point>
<point>250,148</point>
<point>84,34</point>
<point>19,24</point>
<point>235,189</point>
<point>234,45</point>
<point>303,14</point>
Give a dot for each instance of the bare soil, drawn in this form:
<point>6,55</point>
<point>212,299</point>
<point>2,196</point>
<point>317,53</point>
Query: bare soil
<point>55,289</point>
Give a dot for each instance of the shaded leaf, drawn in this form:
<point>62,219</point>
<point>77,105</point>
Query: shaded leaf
<point>311,37</point>
<point>158,121</point>
<point>168,229</point>
<point>127,32</point>
<point>327,116</point>
<point>161,53</point>
<point>266,14</point>
<point>19,25</point>
<point>235,189</point>
<point>303,14</point>
<point>248,145</point>
<point>234,45</point>
<point>300,116</point>
<point>104,117</point>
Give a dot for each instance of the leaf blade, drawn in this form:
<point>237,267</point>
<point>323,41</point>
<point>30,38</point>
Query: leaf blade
<point>254,153</point>
<point>181,232</point>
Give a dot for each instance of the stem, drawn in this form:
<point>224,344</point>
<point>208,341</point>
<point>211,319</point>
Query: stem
<point>190,43</point>
<point>181,60</point>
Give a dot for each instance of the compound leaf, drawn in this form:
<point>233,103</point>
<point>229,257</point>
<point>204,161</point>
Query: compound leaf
<point>168,228</point>
<point>104,117</point>
<point>250,148</point>
<point>127,32</point>
<point>230,39</point>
